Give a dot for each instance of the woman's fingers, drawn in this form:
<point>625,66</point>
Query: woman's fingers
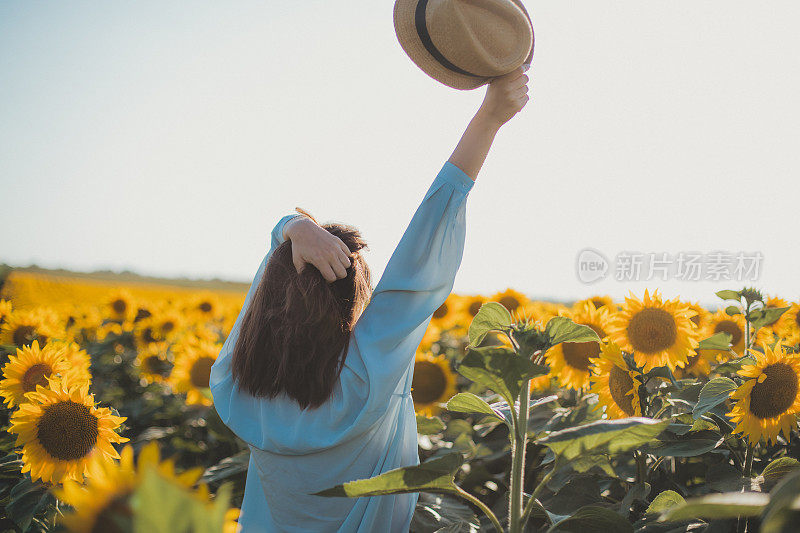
<point>327,272</point>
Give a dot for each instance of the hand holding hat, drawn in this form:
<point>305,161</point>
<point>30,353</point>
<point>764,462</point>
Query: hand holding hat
<point>464,44</point>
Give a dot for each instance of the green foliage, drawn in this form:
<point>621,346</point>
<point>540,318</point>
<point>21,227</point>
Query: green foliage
<point>664,501</point>
<point>435,475</point>
<point>491,316</point>
<point>561,329</point>
<point>605,436</point>
<point>718,341</point>
<point>713,393</point>
<point>780,467</point>
<point>499,369</point>
<point>716,506</point>
<point>729,295</point>
<point>429,425</point>
<point>466,402</point>
<point>161,506</point>
<point>766,316</point>
<point>593,519</point>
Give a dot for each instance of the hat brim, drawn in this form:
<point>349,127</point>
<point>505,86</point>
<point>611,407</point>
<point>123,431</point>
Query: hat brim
<point>406,31</point>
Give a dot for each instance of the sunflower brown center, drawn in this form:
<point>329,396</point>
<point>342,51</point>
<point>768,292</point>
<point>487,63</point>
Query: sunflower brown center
<point>36,375</point>
<point>696,319</point>
<point>205,307</point>
<point>577,354</point>
<point>115,515</point>
<point>147,335</point>
<point>774,395</point>
<point>23,335</point>
<point>797,318</point>
<point>652,330</point>
<point>474,307</point>
<point>67,430</point>
<point>620,384</point>
<point>732,328</point>
<point>119,305</point>
<point>167,326</point>
<point>142,313</point>
<point>441,312</point>
<point>200,374</point>
<point>155,365</point>
<point>598,303</point>
<point>509,302</point>
<point>429,382</point>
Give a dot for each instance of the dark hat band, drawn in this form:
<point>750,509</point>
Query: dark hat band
<point>425,37</point>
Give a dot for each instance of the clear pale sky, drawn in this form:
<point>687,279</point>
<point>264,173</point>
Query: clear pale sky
<point>169,137</point>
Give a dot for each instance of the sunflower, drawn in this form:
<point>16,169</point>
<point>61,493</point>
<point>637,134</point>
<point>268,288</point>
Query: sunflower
<point>62,431</point>
<point>153,363</point>
<point>784,324</point>
<point>169,323</point>
<point>231,520</point>
<point>598,301</point>
<point>720,321</point>
<point>659,333</point>
<point>433,383</point>
<point>512,300</point>
<point>142,312</point>
<point>769,401</point>
<point>472,304</point>
<point>542,312</point>
<point>570,362</point>
<point>82,324</point>
<point>701,318</point>
<point>192,370</point>
<point>616,386</point>
<point>120,306</point>
<point>30,367</point>
<point>22,327</point>
<point>446,315</point>
<point>793,320</point>
<point>80,362</point>
<point>541,383</point>
<point>699,364</point>
<point>206,306</point>
<point>5,310</point>
<point>432,334</point>
<point>106,496</point>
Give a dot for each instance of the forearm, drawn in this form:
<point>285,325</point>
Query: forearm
<point>471,151</point>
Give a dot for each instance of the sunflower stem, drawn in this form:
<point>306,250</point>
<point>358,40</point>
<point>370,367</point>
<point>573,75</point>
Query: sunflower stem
<point>741,526</point>
<point>542,484</point>
<point>747,343</point>
<point>641,466</point>
<point>518,461</point>
<point>482,506</point>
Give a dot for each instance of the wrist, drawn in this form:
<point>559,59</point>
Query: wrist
<point>289,228</point>
<point>484,120</point>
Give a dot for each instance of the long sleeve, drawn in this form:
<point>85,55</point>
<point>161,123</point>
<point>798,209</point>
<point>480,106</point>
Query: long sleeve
<point>221,368</point>
<point>417,280</point>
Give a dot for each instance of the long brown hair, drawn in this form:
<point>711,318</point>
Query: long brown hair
<point>295,334</point>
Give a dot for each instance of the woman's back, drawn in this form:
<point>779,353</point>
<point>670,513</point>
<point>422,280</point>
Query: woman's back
<point>368,425</point>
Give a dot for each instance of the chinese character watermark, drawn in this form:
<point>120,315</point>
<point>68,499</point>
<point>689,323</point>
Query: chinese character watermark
<point>593,266</point>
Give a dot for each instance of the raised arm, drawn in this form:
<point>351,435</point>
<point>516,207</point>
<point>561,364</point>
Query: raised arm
<point>421,272</point>
<point>504,97</point>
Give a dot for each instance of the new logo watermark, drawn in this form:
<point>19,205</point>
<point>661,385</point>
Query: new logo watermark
<point>593,266</point>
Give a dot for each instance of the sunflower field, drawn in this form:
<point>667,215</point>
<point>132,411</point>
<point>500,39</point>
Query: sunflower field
<point>647,415</point>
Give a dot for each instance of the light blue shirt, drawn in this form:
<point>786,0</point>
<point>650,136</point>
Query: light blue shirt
<point>368,425</point>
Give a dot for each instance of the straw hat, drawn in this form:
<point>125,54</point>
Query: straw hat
<point>464,43</point>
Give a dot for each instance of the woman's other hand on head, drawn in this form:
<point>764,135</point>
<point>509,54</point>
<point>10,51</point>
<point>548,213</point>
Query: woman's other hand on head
<point>505,96</point>
<point>316,245</point>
